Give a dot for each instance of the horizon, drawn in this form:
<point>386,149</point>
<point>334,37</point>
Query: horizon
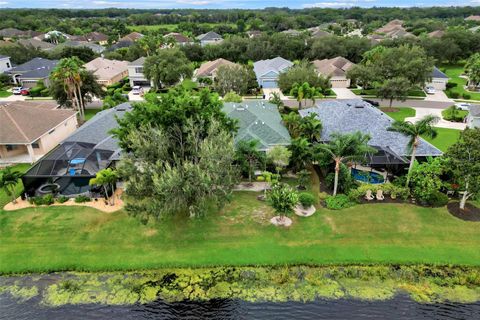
<point>230,4</point>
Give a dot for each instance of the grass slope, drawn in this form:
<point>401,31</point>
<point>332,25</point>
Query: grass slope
<point>66,238</point>
<point>400,113</point>
<point>4,199</point>
<point>454,72</point>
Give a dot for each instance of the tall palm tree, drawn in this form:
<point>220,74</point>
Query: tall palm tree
<point>311,128</point>
<point>300,92</point>
<point>106,178</point>
<point>345,147</point>
<point>423,127</point>
<point>292,122</point>
<point>9,180</point>
<point>69,71</point>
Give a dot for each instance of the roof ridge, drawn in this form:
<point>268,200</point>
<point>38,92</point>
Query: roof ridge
<point>15,123</point>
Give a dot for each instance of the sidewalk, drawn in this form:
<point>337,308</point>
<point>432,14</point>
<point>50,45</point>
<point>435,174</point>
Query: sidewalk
<point>422,112</point>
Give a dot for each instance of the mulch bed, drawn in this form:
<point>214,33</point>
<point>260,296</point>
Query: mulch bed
<point>471,213</point>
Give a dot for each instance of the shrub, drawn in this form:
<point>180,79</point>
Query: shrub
<point>81,199</point>
<point>45,92</point>
<point>454,95</point>
<point>451,85</point>
<point>62,199</point>
<point>45,200</point>
<point>466,96</point>
<point>306,199</point>
<point>388,188</point>
<point>338,202</point>
<point>345,180</point>
<point>36,91</point>
<point>437,199</point>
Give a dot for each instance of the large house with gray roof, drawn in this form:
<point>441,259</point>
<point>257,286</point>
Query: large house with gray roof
<point>439,80</point>
<point>29,73</point>
<point>268,71</point>
<point>258,120</point>
<point>473,117</point>
<point>210,37</point>
<point>349,116</point>
<point>78,158</point>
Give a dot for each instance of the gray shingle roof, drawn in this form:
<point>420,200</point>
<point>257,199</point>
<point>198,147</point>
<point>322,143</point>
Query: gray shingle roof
<point>95,47</point>
<point>209,36</point>
<point>97,130</point>
<point>474,110</point>
<point>349,116</point>
<point>37,68</point>
<point>139,62</point>
<point>436,73</point>
<point>276,65</point>
<point>258,120</point>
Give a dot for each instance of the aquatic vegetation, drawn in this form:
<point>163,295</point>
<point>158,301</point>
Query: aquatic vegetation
<point>425,284</point>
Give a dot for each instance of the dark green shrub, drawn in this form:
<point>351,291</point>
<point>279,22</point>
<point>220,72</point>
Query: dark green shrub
<point>306,199</point>
<point>81,199</point>
<point>36,91</point>
<point>45,92</point>
<point>454,95</point>
<point>45,200</point>
<point>466,96</point>
<point>437,199</point>
<point>345,180</point>
<point>62,199</point>
<point>338,202</point>
<point>451,85</point>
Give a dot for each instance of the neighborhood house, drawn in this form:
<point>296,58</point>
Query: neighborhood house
<point>267,71</point>
<point>209,68</point>
<point>209,38</point>
<point>135,73</point>
<point>439,80</point>
<point>335,69</point>
<point>28,74</point>
<point>473,118</point>
<point>108,71</point>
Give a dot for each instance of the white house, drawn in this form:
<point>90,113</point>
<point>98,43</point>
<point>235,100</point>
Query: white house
<point>5,64</point>
<point>135,73</point>
<point>209,38</point>
<point>439,80</point>
<point>473,118</point>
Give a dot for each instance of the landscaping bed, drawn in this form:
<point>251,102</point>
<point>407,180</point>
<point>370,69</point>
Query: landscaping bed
<point>470,213</point>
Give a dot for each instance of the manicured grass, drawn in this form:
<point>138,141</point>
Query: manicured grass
<point>4,199</point>
<point>77,238</point>
<point>454,72</point>
<point>4,93</point>
<point>400,113</point>
<point>460,114</point>
<point>446,137</point>
<point>89,113</point>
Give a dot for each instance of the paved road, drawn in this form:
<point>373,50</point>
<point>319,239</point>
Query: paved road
<point>416,103</point>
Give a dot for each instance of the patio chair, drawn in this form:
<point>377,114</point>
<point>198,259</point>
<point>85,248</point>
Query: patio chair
<point>369,196</point>
<point>380,196</point>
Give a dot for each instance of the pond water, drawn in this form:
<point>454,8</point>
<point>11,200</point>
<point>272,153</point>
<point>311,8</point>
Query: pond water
<point>400,307</point>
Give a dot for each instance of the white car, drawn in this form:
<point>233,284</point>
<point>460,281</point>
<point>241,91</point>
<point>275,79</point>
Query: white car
<point>430,90</point>
<point>137,90</point>
<point>463,106</point>
<point>17,90</point>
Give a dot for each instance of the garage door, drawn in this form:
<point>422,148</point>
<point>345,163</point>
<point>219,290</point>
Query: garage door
<point>269,84</point>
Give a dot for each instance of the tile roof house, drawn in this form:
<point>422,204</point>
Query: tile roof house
<point>78,158</point>
<point>135,73</point>
<point>9,33</point>
<point>436,34</point>
<point>473,18</point>
<point>473,118</point>
<point>336,69</point>
<point>29,130</point>
<point>108,71</point>
<point>439,79</point>
<point>258,120</point>
<point>349,116</point>
<point>210,37</point>
<point>267,71</point>
<point>29,73</point>
<point>98,37</point>
<point>179,38</point>
<point>394,29</point>
<point>209,69</point>
<point>131,37</point>
<point>292,32</point>
<point>37,44</point>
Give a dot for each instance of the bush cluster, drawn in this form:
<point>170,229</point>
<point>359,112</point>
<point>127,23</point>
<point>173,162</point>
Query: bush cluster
<point>388,188</point>
<point>81,199</point>
<point>306,199</point>
<point>62,199</point>
<point>338,202</point>
<point>46,200</point>
<point>437,199</point>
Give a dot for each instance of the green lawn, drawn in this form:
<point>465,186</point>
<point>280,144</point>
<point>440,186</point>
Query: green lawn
<point>446,137</point>
<point>400,113</point>
<point>4,199</point>
<point>454,72</point>
<point>78,238</point>
<point>89,113</point>
<point>4,93</point>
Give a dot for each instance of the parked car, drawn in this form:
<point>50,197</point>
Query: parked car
<point>17,90</point>
<point>430,90</point>
<point>463,106</point>
<point>25,91</point>
<point>137,90</point>
<point>373,103</point>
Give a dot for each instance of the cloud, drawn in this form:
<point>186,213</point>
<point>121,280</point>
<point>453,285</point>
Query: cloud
<point>2,3</point>
<point>107,3</point>
<point>195,2</point>
<point>329,5</point>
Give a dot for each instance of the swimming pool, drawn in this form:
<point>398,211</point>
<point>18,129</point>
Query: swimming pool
<point>367,177</point>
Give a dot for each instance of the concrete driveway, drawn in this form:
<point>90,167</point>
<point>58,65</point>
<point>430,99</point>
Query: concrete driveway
<point>422,112</point>
<point>439,96</point>
<point>345,93</point>
<point>268,92</point>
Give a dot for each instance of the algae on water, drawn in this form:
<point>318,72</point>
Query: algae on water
<point>424,284</point>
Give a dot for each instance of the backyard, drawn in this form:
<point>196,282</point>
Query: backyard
<point>454,72</point>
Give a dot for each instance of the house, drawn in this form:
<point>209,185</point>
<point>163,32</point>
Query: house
<point>37,44</point>
<point>10,33</point>
<point>439,80</point>
<point>254,33</point>
<point>473,18</point>
<point>28,130</point>
<point>209,38</point>
<point>135,73</point>
<point>473,118</point>
<point>5,64</point>
<point>79,157</point>
<point>292,32</point>
<point>97,37</point>
<point>336,69</point>
<point>179,38</point>
<point>131,37</point>
<point>319,33</point>
<point>72,43</point>
<point>394,29</point>
<point>436,34</point>
<point>258,120</point>
<point>108,71</point>
<point>29,73</point>
<point>349,116</point>
<point>267,71</point>
<point>209,69</point>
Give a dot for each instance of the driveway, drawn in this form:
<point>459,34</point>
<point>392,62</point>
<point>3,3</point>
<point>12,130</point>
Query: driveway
<point>439,96</point>
<point>268,92</point>
<point>345,93</point>
<point>13,97</point>
<point>422,112</point>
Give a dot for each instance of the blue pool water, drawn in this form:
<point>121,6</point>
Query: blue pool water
<point>367,177</point>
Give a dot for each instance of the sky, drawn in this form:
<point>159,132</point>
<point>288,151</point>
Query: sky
<point>224,4</point>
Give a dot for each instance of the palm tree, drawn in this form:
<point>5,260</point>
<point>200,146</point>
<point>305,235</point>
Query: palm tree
<point>311,128</point>
<point>8,182</point>
<point>69,71</point>
<point>106,178</point>
<point>292,122</point>
<point>248,151</point>
<point>301,151</point>
<point>344,148</point>
<point>414,130</point>
<point>300,92</point>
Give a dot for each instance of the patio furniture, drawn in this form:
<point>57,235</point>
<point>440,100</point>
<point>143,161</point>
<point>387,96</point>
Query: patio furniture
<point>380,196</point>
<point>369,196</point>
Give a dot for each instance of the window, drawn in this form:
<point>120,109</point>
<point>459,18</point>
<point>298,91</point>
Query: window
<point>139,70</point>
<point>11,147</point>
<point>35,145</point>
